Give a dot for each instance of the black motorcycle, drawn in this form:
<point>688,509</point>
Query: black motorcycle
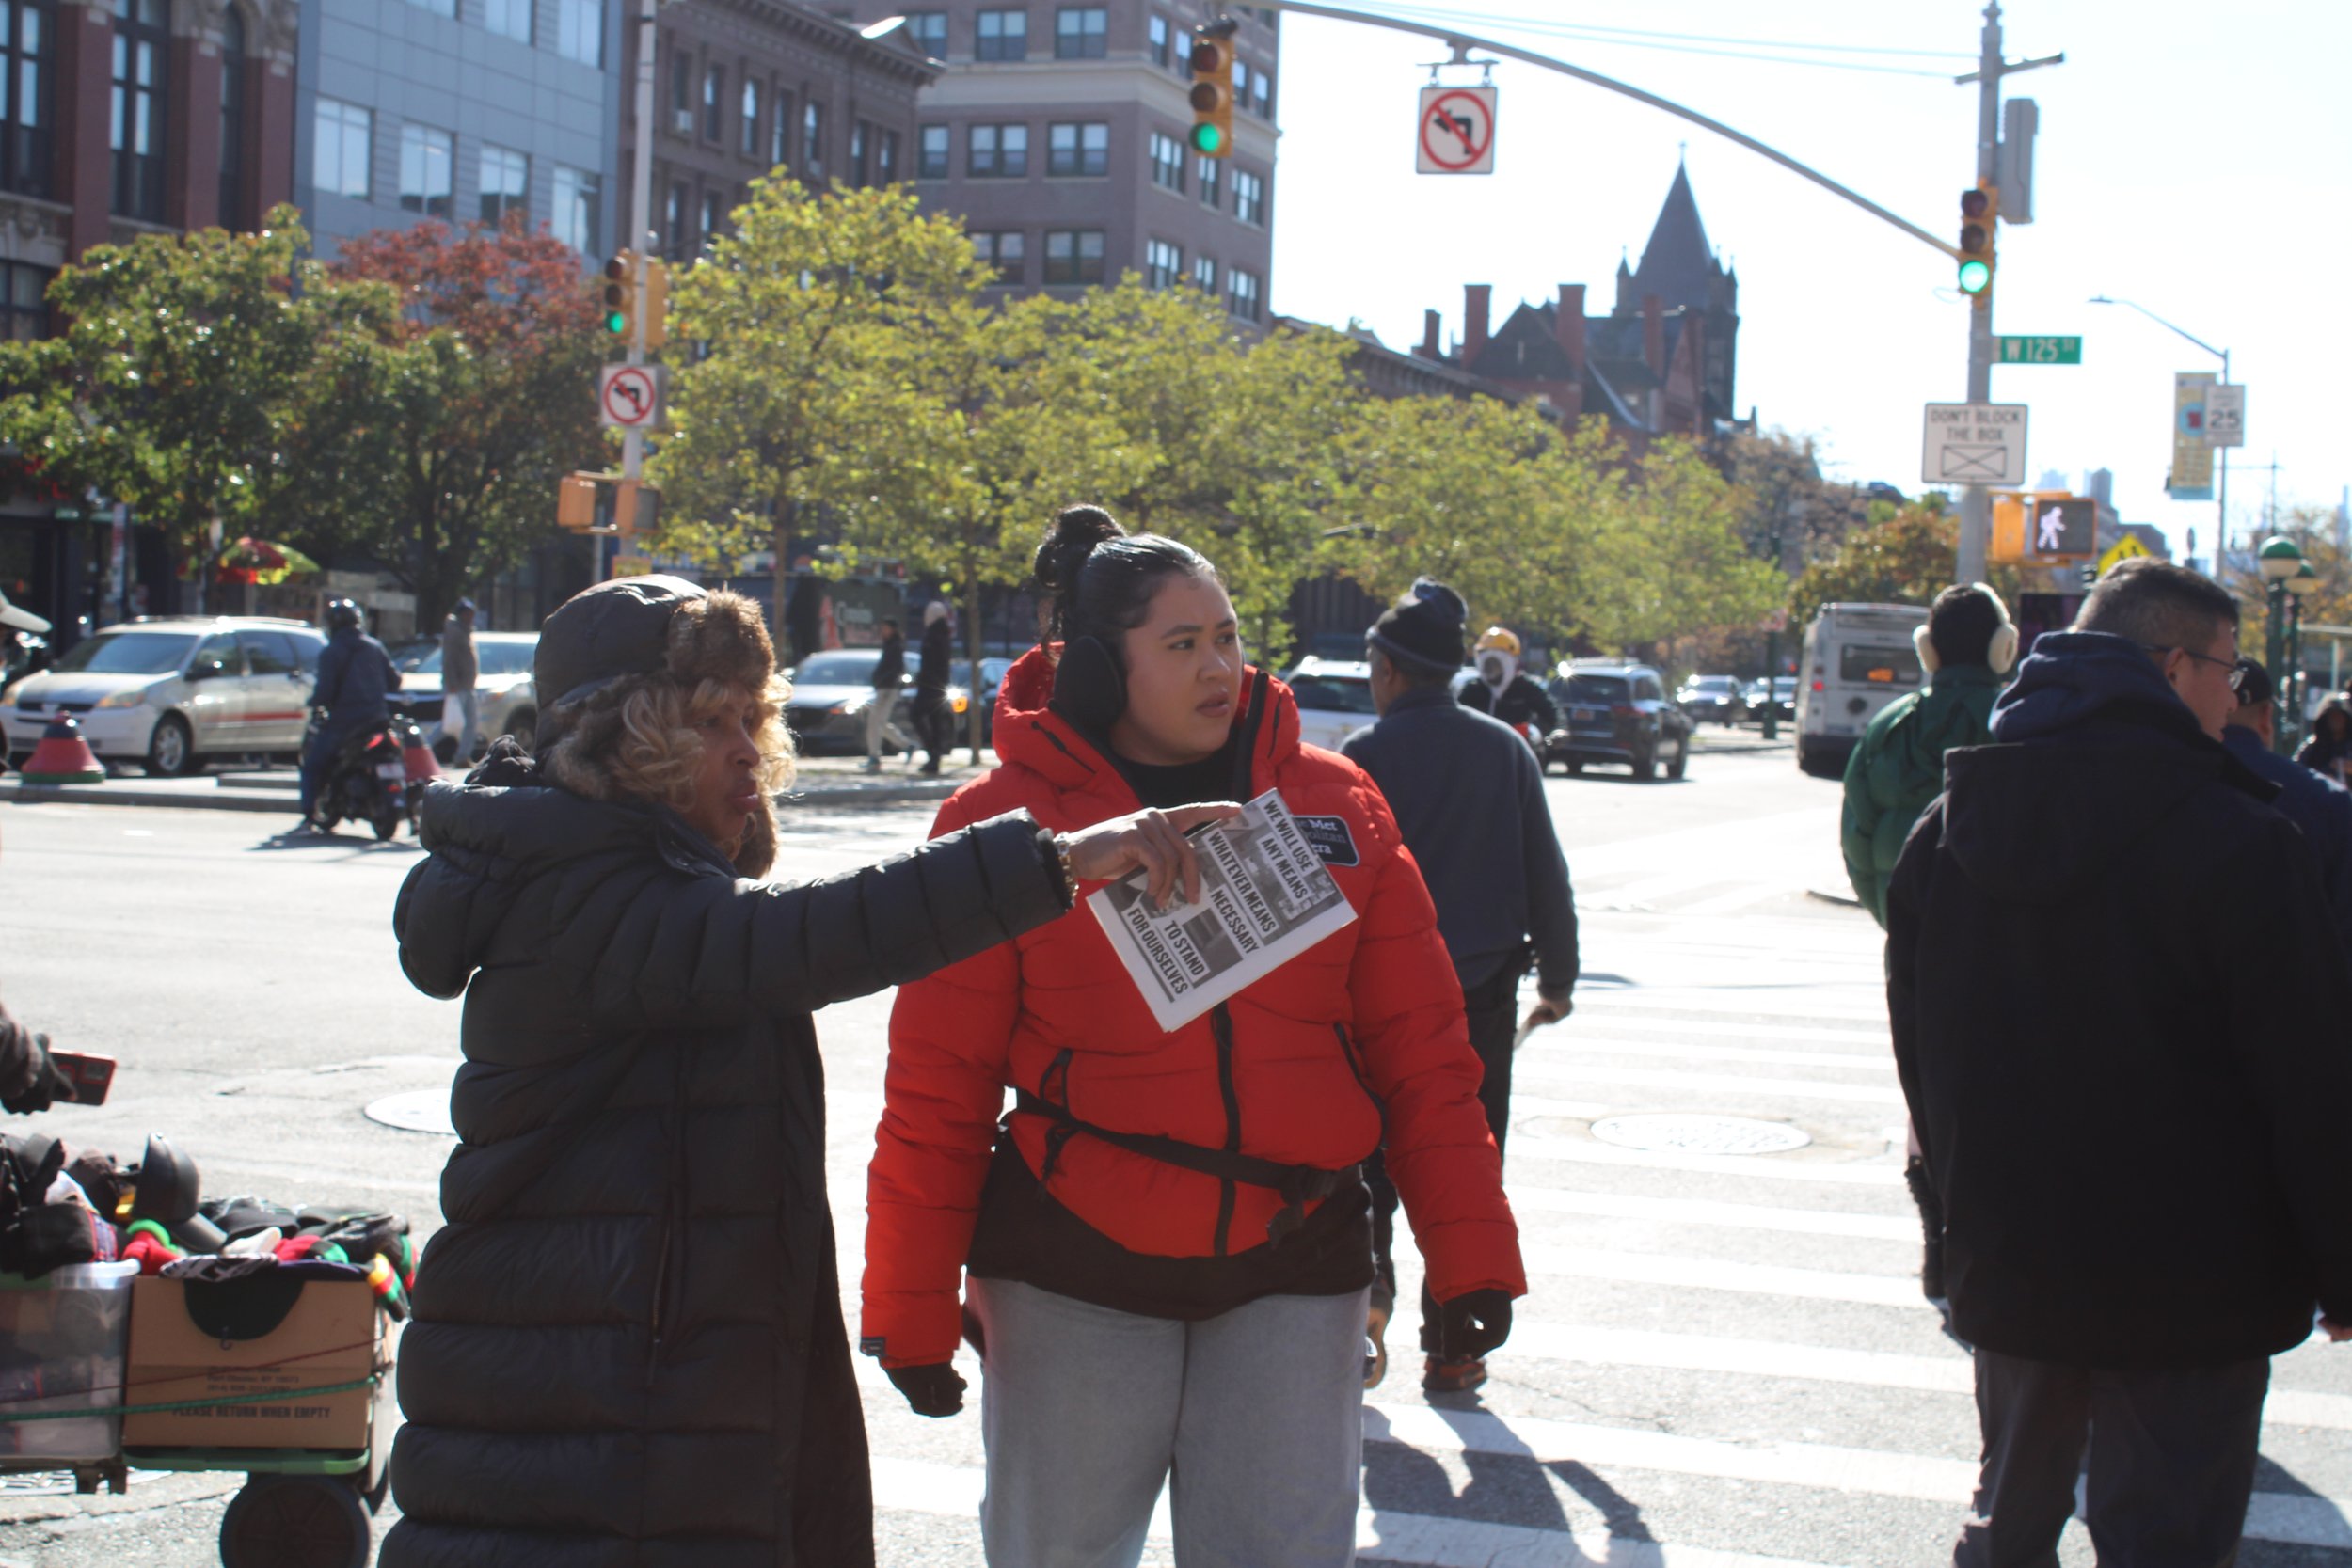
<point>368,782</point>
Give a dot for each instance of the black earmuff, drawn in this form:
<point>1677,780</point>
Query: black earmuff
<point>1089,688</point>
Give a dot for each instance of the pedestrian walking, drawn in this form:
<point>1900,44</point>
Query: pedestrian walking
<point>2328,751</point>
<point>626,1344</point>
<point>890,674</point>
<point>461,673</point>
<point>1506,692</point>
<point>934,717</point>
<point>2315,803</point>
<point>1468,798</point>
<point>348,694</point>
<point>1968,644</point>
<point>2116,995</point>
<point>1168,1241</point>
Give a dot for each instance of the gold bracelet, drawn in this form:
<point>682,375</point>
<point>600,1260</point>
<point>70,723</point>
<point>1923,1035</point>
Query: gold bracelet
<point>1069,878</point>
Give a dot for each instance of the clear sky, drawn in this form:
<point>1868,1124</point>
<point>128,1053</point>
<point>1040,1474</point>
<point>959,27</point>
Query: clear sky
<point>2194,157</point>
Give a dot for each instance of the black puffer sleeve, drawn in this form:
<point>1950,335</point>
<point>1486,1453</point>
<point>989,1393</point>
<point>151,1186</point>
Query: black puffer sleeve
<point>652,943</point>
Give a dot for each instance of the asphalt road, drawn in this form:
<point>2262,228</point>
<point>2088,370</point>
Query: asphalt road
<point>1725,1362</point>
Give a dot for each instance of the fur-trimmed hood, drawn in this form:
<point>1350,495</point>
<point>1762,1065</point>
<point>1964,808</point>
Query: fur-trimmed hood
<point>618,638</point>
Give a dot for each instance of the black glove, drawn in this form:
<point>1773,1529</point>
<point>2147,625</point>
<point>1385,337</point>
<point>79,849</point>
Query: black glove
<point>48,1085</point>
<point>933,1391</point>
<point>1474,1323</point>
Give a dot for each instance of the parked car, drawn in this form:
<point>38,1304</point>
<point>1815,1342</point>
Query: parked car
<point>1613,712</point>
<point>830,694</point>
<point>507,701</point>
<point>173,691</point>
<point>408,655</point>
<point>1721,698</point>
<point>1334,699</point>
<point>1780,692</point>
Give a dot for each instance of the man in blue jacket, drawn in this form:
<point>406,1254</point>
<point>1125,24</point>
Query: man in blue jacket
<point>2312,801</point>
<point>355,677</point>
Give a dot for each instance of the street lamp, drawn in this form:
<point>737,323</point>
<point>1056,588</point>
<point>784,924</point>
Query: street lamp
<point>2221,515</point>
<point>2280,562</point>
<point>2303,583</point>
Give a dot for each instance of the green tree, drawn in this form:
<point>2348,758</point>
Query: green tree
<point>1901,555</point>
<point>816,313</point>
<point>176,383</point>
<point>1669,562</point>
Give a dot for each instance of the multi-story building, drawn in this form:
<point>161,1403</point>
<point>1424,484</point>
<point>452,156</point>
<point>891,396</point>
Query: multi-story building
<point>119,119</point>
<point>744,87</point>
<point>458,109</point>
<point>1058,132</point>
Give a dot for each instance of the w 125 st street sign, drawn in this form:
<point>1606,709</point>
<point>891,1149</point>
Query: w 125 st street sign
<point>2039,350</point>
<point>1457,130</point>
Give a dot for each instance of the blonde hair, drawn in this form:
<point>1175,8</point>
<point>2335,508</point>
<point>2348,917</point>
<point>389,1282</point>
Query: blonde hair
<point>659,750</point>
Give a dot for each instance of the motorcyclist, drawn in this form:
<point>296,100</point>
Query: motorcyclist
<point>355,677</point>
<point>1502,692</point>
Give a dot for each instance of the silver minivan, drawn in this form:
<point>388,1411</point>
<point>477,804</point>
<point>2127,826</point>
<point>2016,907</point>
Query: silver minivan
<point>169,691</point>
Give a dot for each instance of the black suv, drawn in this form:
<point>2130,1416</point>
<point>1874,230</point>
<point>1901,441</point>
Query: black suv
<point>1617,713</point>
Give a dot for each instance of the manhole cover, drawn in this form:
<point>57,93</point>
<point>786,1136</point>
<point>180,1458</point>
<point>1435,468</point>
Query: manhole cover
<point>417,1111</point>
<point>1683,1133</point>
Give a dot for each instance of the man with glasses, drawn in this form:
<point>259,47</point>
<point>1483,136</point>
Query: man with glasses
<point>2117,1000</point>
<point>2321,807</point>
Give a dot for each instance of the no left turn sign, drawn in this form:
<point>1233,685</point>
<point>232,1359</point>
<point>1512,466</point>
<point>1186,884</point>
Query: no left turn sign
<point>628,397</point>
<point>1457,130</point>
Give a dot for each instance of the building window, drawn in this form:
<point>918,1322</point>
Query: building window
<point>714,93</point>
<point>928,31</point>
<point>579,207</point>
<point>341,142</point>
<point>579,31</point>
<point>1005,250</point>
<point>930,154</point>
<point>750,116</point>
<point>1078,149</point>
<point>1248,296</point>
<point>1249,198</point>
<point>1163,265</point>
<point>232,70</point>
<point>886,158</point>
<point>1168,161</point>
<point>860,144</point>
<point>24,314</point>
<point>1080,32</point>
<point>1204,275</point>
<point>1212,172</point>
<point>26,34</point>
<point>714,215</point>
<point>505,184</point>
<point>438,8</point>
<point>1074,256</point>
<point>1262,94</point>
<point>780,138</point>
<point>813,139</point>
<point>427,163</point>
<point>1002,36</point>
<point>142,36</point>
<point>1241,84</point>
<point>998,153</point>
<point>681,88</point>
<point>673,220</point>
<point>508,19</point>
<point>1158,33</point>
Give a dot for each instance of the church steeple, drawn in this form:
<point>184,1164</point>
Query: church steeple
<point>1678,265</point>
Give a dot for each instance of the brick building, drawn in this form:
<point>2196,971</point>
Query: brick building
<point>118,119</point>
<point>743,86</point>
<point>1059,133</point>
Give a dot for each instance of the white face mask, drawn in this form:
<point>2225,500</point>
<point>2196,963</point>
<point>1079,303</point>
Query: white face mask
<point>1497,668</point>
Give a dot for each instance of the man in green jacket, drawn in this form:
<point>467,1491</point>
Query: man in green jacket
<point>1967,645</point>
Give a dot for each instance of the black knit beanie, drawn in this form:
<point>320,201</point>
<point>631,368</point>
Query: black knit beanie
<point>1422,631</point>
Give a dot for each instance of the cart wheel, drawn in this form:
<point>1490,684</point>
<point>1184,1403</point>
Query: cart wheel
<point>295,1522</point>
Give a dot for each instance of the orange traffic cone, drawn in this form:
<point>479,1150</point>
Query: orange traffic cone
<point>63,757</point>
<point>416,756</point>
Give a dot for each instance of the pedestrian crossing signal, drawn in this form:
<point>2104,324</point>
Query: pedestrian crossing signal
<point>1212,90</point>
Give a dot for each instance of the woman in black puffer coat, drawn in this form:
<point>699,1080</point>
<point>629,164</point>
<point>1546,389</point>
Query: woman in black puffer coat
<point>628,1346</point>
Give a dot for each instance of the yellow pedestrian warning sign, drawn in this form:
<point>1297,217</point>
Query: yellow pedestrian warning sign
<point>2121,551</point>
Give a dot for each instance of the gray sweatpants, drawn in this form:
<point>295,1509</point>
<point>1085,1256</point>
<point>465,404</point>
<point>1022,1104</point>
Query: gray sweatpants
<point>1254,1420</point>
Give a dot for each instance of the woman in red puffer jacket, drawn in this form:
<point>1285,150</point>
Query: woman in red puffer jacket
<point>1168,1240</point>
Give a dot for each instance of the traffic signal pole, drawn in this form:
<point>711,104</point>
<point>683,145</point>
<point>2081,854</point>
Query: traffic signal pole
<point>641,224</point>
<point>1976,501</point>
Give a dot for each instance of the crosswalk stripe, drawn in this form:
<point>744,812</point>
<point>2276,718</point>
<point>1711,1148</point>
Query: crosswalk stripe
<point>1579,1045</point>
<point>1690,1210</point>
<point>1589,1011</point>
<point>1714,1274</point>
<point>1773,1001</point>
<point>1724,1083</point>
<point>953,1491</point>
<point>1748,896</point>
<point>1589,1152</point>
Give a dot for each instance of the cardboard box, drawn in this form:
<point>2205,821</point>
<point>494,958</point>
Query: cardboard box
<point>329,1334</point>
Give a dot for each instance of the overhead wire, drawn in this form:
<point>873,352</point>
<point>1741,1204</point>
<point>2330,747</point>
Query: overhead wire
<point>1683,43</point>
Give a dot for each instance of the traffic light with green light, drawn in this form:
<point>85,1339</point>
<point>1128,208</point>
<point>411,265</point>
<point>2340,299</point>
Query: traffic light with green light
<point>620,298</point>
<point>1212,88</point>
<point>1979,220</point>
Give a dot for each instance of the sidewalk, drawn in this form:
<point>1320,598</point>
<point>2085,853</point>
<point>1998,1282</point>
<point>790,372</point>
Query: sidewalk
<point>823,783</point>
<point>1719,743</point>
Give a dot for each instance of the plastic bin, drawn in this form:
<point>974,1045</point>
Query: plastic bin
<point>63,1341</point>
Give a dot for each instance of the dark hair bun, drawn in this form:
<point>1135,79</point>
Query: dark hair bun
<point>1076,530</point>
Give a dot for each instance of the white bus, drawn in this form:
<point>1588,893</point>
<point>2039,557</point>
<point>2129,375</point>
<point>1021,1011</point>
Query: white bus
<point>1858,657</point>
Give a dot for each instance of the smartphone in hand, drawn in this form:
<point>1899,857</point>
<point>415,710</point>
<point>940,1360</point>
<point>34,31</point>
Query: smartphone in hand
<point>90,1077</point>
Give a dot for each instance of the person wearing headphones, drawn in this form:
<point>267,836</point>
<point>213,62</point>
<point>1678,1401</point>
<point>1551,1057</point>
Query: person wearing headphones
<point>355,677</point>
<point>1966,646</point>
<point>1502,692</point>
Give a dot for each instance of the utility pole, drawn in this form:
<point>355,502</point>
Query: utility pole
<point>641,224</point>
<point>1976,501</point>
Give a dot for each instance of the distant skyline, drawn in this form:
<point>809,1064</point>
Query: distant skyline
<point>2197,162</point>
